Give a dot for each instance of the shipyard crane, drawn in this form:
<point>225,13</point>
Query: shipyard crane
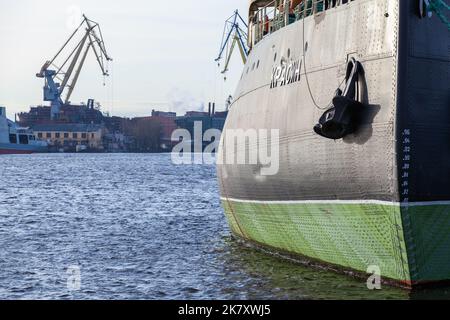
<point>62,79</point>
<point>233,35</point>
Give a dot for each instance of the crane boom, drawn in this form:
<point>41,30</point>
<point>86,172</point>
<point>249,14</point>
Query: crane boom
<point>77,74</point>
<point>69,71</point>
<point>99,57</point>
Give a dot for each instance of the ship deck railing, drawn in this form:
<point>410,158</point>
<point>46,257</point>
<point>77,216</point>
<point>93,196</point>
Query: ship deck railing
<point>278,14</point>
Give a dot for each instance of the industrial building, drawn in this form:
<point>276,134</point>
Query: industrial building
<point>71,137</point>
<point>209,120</point>
<point>84,113</point>
<point>167,124</point>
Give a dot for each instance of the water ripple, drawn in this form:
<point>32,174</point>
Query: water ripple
<point>138,227</point>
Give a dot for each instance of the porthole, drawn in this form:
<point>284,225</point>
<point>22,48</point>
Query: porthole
<point>289,53</point>
<point>257,65</point>
<point>253,66</point>
<point>275,57</point>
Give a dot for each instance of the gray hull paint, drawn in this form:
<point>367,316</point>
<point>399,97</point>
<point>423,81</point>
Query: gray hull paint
<point>407,87</point>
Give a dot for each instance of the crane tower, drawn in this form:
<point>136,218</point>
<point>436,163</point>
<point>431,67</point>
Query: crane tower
<point>61,80</point>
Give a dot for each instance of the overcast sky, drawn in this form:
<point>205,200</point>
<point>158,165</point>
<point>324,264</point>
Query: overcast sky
<point>163,52</point>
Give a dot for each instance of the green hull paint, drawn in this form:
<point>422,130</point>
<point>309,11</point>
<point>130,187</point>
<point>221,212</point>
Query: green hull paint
<point>427,233</point>
<point>352,236</point>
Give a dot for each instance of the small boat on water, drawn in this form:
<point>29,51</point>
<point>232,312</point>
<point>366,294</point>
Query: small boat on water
<point>16,140</point>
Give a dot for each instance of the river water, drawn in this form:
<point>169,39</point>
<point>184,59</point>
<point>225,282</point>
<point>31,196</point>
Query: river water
<point>129,226</point>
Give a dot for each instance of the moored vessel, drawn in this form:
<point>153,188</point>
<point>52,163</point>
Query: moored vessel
<point>360,94</point>
<point>16,140</point>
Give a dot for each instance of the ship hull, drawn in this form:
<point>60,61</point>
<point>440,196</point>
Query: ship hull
<point>8,148</point>
<point>379,197</point>
<point>12,151</point>
<point>347,236</point>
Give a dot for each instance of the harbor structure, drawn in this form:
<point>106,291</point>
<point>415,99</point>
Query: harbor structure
<point>65,126</point>
<point>120,133</point>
